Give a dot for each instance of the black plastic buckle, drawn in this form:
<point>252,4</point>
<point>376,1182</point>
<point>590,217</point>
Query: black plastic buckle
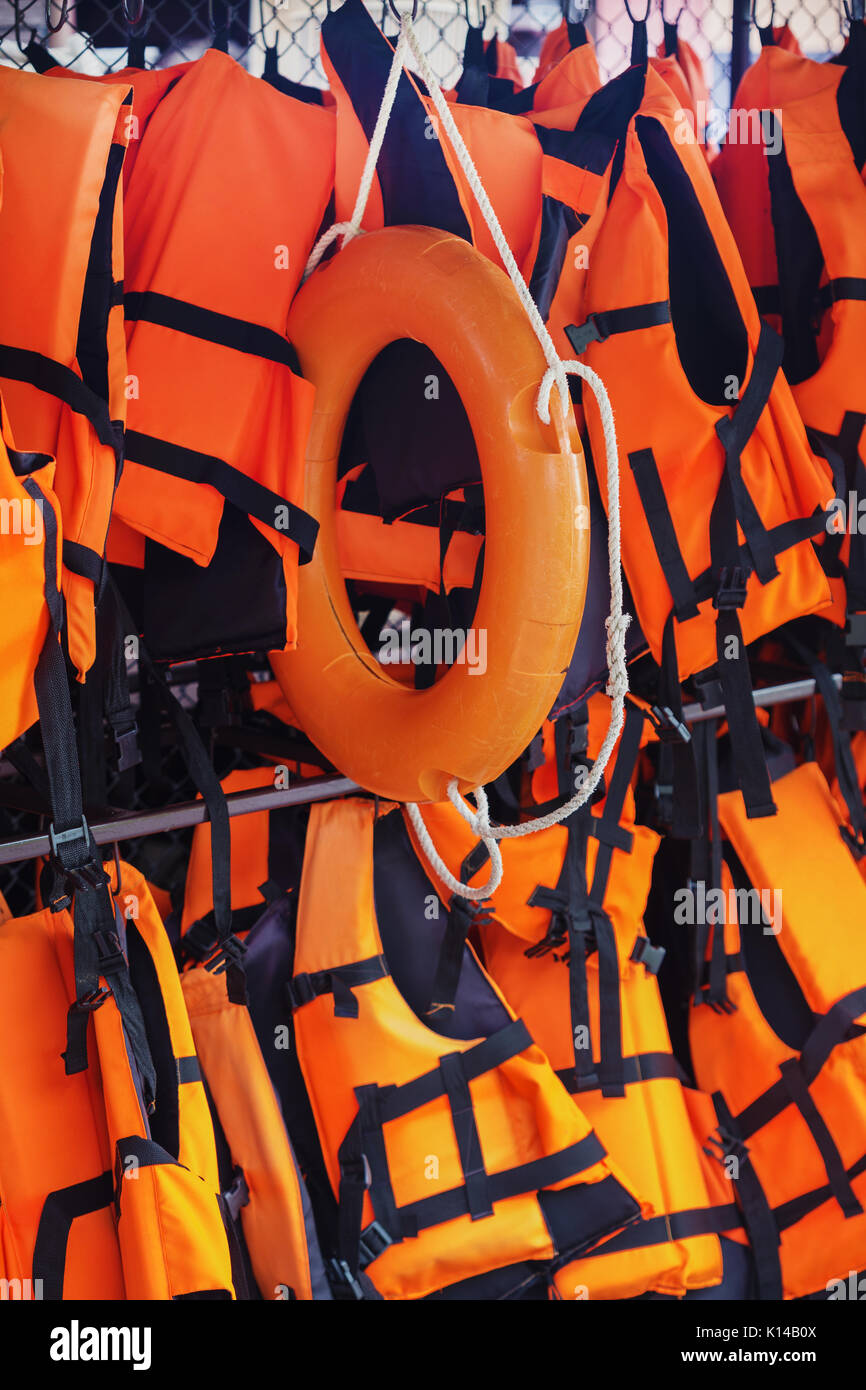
<point>581,335</point>
<point>300,991</point>
<point>646,954</point>
<point>66,837</point>
<point>111,957</point>
<point>343,1283</point>
<point>374,1239</point>
<point>228,952</point>
<point>128,751</point>
<point>668,728</point>
<point>731,592</point>
<point>89,1003</point>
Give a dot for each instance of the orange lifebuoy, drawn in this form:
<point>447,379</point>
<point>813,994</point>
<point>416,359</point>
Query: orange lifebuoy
<point>404,744</point>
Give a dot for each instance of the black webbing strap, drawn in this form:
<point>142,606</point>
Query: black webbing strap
<point>735,431</point>
<point>678,1225</point>
<point>843,756</point>
<point>707,861</point>
<point>363,1157</point>
<point>59,1210</point>
<point>598,327</point>
<point>513,1182</point>
<point>735,679</point>
<point>667,547</point>
<point>75,877</point>
<point>758,1218</point>
<point>20,364</point>
<point>147,306</point>
<point>639,42</point>
<point>798,1091</point>
<point>340,981</point>
<point>81,560</point>
<point>228,957</point>
<point>461,916</point>
<point>606,828</point>
<point>843,287</point>
<point>677,790</point>
<point>831,1029</point>
<point>475,1178</point>
<point>644,1066</point>
<point>579,920</point>
<point>789,1213</point>
<point>570,738</point>
<point>236,487</point>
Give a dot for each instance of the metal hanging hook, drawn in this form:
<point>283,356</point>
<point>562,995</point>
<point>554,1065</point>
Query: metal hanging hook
<point>133,15</point>
<point>642,19</point>
<point>55,28</point>
<point>483,9</point>
<point>673,23</point>
<point>396,13</point>
<point>576,11</point>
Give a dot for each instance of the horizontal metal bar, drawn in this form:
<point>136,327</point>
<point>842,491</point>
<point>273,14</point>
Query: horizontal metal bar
<point>129,825</point>
<point>764,697</point>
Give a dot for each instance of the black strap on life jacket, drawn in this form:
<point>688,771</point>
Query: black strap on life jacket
<point>340,981</point>
<point>677,791</point>
<point>579,922</point>
<point>706,869</point>
<point>758,1218</point>
<point>59,1210</point>
<point>462,915</point>
<point>597,327</point>
<point>227,958</point>
<point>74,877</point>
<point>364,1162</point>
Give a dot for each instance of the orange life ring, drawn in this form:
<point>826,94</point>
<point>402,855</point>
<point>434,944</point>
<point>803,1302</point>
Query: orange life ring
<point>405,744</point>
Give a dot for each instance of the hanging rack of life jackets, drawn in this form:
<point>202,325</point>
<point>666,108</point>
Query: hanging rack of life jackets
<point>127,825</point>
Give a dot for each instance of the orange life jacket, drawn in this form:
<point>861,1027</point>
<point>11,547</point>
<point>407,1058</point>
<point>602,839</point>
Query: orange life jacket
<point>148,86</point>
<point>577,893</point>
<point>797,207</point>
<point>263,1184</point>
<point>62,351</point>
<point>104,1194</point>
<point>219,414</point>
<point>784,1056</point>
<point>29,569</point>
<point>453,1159</point>
<point>719,500</point>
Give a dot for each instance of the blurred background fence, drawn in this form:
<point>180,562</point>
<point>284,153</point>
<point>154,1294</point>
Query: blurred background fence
<point>98,35</point>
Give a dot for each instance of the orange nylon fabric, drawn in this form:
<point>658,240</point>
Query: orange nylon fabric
<point>740,1054</point>
<point>165,1237</point>
<point>521,1111</point>
<point>63,146</point>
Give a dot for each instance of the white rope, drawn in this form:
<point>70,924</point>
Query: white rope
<point>480,823</point>
<point>349,230</point>
<point>556,374</point>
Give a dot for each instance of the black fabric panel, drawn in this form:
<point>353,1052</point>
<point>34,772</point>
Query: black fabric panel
<point>417,449</point>
<point>559,223</point>
<point>165,1120</point>
<point>588,666</point>
<point>579,1216</point>
<point>416,184</point>
<point>412,943</point>
<point>800,264</point>
<point>712,343</point>
<point>851,94</point>
<point>91,349</point>
<point>773,982</point>
<point>236,603</point>
<point>269,965</point>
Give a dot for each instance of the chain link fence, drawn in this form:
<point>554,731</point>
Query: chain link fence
<point>100,35</point>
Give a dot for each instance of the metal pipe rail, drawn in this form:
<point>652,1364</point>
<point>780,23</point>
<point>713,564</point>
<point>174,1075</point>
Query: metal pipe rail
<point>128,825</point>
